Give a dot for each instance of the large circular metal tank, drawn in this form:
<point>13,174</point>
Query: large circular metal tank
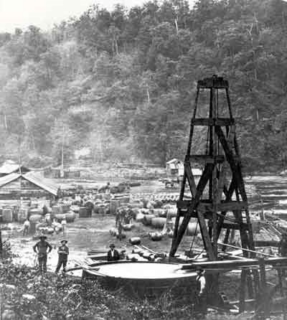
<point>144,279</point>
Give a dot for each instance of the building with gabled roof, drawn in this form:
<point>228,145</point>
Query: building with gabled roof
<point>16,185</point>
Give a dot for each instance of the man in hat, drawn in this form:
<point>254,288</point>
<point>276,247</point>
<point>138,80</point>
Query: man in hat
<point>63,252</point>
<point>42,248</point>
<point>113,254</point>
<point>201,296</point>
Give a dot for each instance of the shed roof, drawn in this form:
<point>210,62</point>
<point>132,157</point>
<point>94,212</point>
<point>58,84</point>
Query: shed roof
<point>173,161</point>
<point>41,182</point>
<point>10,166</point>
<point>33,178</point>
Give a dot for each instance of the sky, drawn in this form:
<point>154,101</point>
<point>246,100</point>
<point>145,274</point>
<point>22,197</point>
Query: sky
<point>45,13</point>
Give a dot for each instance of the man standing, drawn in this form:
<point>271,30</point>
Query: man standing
<point>42,248</point>
<point>283,246</point>
<point>26,227</point>
<point>64,224</point>
<point>63,252</point>
<point>201,283</point>
<point>113,254</point>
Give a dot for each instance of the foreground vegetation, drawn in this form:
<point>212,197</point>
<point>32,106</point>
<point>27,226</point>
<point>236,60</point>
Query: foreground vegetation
<point>122,82</point>
<point>26,295</point>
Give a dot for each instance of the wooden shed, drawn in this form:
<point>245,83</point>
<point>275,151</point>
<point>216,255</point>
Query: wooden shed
<point>15,186</point>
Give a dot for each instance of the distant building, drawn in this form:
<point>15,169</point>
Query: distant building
<point>58,172</point>
<point>175,167</point>
<point>10,166</point>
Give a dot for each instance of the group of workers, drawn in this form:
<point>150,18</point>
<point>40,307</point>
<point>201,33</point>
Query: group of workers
<point>42,248</point>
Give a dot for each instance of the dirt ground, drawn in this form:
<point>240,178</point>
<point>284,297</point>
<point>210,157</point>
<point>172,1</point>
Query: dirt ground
<point>84,235</point>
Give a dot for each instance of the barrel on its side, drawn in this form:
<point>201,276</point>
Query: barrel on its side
<point>7,215</point>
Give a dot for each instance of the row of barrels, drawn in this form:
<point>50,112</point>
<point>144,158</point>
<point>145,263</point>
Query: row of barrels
<point>160,222</point>
<point>69,217</point>
<point>164,197</point>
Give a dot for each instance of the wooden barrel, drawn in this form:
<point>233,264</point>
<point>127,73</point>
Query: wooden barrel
<point>35,218</point>
<point>147,255</point>
<point>171,212</point>
<point>7,215</point>
<point>103,209</point>
<point>97,208</point>
<point>98,196</point>
<point>75,208</point>
<point>139,217</point>
<point>114,204</point>
<point>135,240</point>
<point>83,212</point>
<point>158,222</point>
<point>127,227</point>
<point>56,209</point>
<point>155,236</point>
<point>22,214</point>
<point>133,257</point>
<point>135,205</point>
<point>147,219</point>
<point>36,211</point>
<point>70,216</point>
<point>60,216</point>
<point>65,207</point>
<point>32,227</point>
<point>124,200</point>
<point>50,230</point>
<point>159,212</point>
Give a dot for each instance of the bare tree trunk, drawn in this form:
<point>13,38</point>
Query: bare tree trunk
<point>5,121</point>
<point>148,96</point>
<point>1,244</point>
<point>176,26</point>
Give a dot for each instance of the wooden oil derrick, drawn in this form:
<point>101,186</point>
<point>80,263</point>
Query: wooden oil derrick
<point>218,200</point>
<point>219,197</point>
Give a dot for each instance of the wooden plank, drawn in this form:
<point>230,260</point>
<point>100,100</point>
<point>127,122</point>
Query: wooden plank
<point>190,178</point>
<point>233,226</point>
<point>234,264</point>
<point>243,249</point>
<point>208,207</point>
<point>205,235</point>
<point>212,83</point>
<point>212,122</point>
<point>206,158</point>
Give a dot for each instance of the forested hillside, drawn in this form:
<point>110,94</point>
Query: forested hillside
<point>123,82</point>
